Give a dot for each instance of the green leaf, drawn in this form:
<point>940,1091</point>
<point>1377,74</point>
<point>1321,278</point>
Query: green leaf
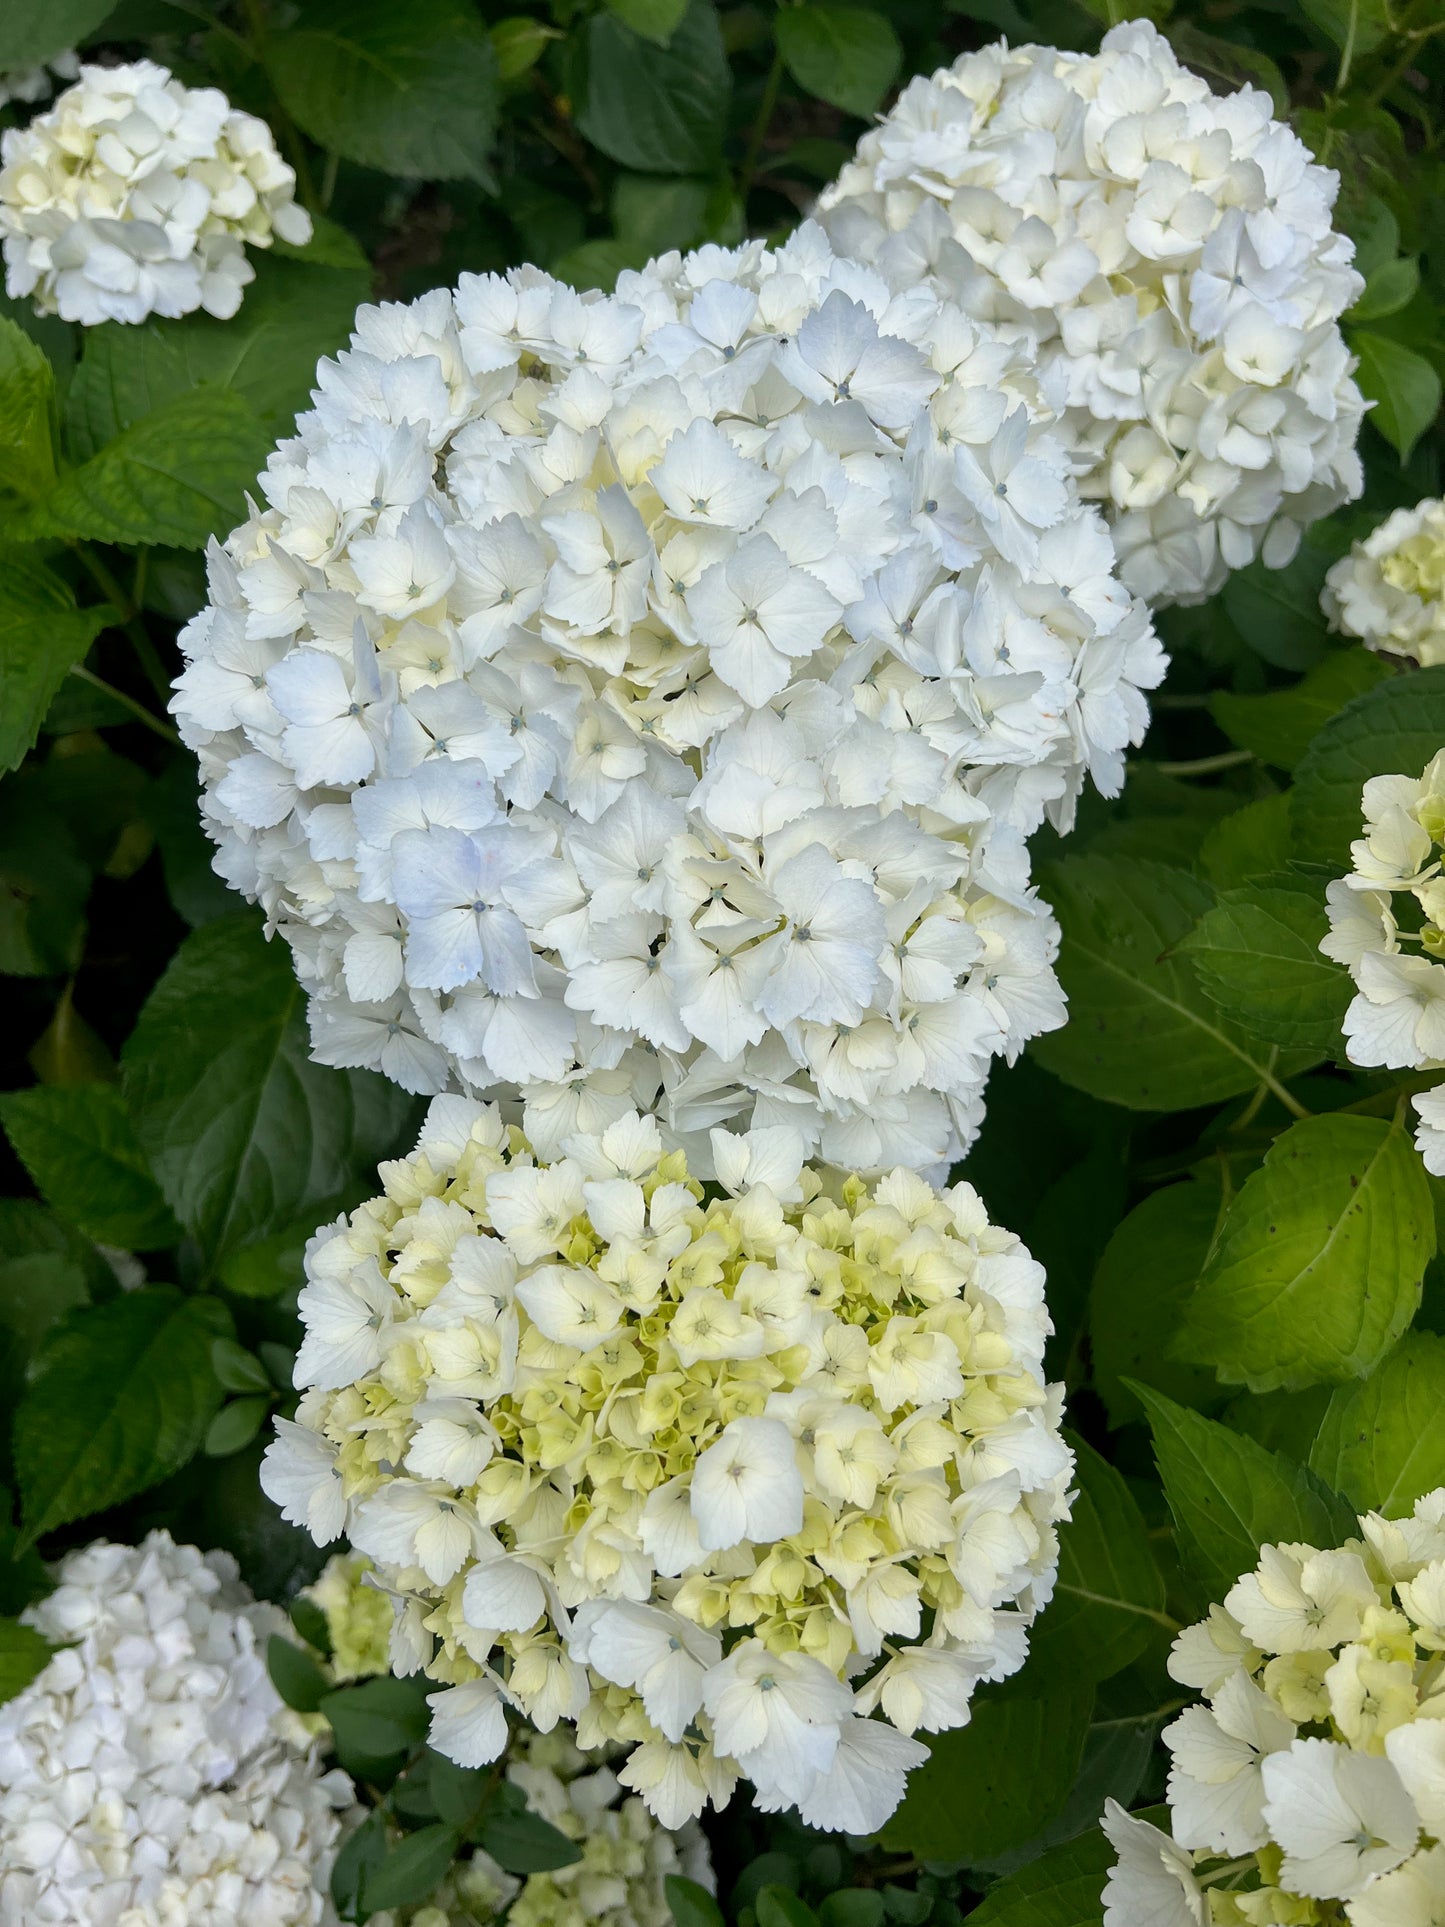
<point>1396,727</point>
<point>1141,1031</point>
<point>519,43</point>
<point>852,1907</point>
<point>1257,954</point>
<point>1403,385</point>
<point>1249,845</point>
<point>377,1723</point>
<point>848,56</point>
<point>411,1870</point>
<point>32,31</point>
<point>457,1792</point>
<point>234,1426</point>
<point>1109,1599</point>
<point>243,1131</point>
<point>237,1369</point>
<point>655,215</point>
<point>1063,1888</point>
<point>174,479</point>
<point>1143,1281</point>
<point>79,1145</point>
<point>1361,24</point>
<point>1392,286</point>
<point>37,1288</point>
<point>1277,611</point>
<point>120,1397</point>
<point>24,1656</point>
<point>27,404</point>
<point>525,1843</point>
<point>293,314</point>
<point>1318,1266</point>
<point>1226,62</point>
<point>295,1675</point>
<point>1230,1496</point>
<point>1280,726</point>
<point>362,1850</point>
<point>409,89</point>
<point>991,1785</point>
<point>655,20</point>
<point>661,110</point>
<point>42,636</point>
<point>691,1905</point>
<point>1382,1443</point>
<point>778,1907</point>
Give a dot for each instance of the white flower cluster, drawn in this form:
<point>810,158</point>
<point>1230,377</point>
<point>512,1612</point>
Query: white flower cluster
<point>1395,952</point>
<point>150,1773</point>
<point>716,1481</point>
<point>136,196</point>
<point>1390,589</point>
<point>653,692</point>
<point>626,1857</point>
<point>1168,257</point>
<point>1310,1786</point>
<point>31,84</point>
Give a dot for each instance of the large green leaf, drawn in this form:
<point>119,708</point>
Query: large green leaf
<point>654,19</point>
<point>293,314</point>
<point>27,403</point>
<point>1382,1443</point>
<point>1277,611</point>
<point>1404,387</point>
<point>32,31</point>
<point>1149,1268</point>
<point>173,479</point>
<point>42,636</point>
<point>991,1785</point>
<point>406,86</point>
<point>1063,1888</point>
<point>1318,1265</point>
<point>24,1655</point>
<point>1141,1031</point>
<point>243,1131</point>
<point>78,1144</point>
<point>661,110</point>
<point>1109,1598</point>
<point>1394,728</point>
<point>1229,1496</point>
<point>848,56</point>
<point>120,1397</point>
<point>1249,845</point>
<point>1257,954</point>
<point>1280,726</point>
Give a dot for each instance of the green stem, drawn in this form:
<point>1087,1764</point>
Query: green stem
<point>767,106</point>
<point>1347,52</point>
<point>127,617</point>
<point>138,710</point>
<point>1208,765</point>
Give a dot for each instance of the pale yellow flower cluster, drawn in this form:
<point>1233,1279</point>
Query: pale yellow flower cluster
<point>1390,589</point>
<point>594,1427</point>
<point>1309,1788</point>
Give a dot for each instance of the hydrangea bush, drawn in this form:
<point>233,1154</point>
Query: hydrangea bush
<point>587,1427</point>
<point>1310,1784</point>
<point>643,701</point>
<point>1167,255</point>
<point>817,767</point>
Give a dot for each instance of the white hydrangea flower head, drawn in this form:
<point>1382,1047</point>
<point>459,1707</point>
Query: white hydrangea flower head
<point>644,700</point>
<point>621,1878</point>
<point>135,195</point>
<point>719,1481</point>
<point>151,1771</point>
<point>1168,256</point>
<point>1308,1785</point>
<point>29,85</point>
<point>1390,589</point>
<point>1396,1021</point>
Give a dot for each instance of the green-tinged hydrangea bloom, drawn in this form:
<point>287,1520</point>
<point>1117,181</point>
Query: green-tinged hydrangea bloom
<point>358,1616</point>
<point>1390,589</point>
<point>683,1470</point>
<point>1308,1789</point>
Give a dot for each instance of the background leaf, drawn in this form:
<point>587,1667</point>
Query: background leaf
<point>1318,1265</point>
<point>848,56</point>
<point>78,1144</point>
<point>1256,952</point>
<point>24,1656</point>
<point>661,110</point>
<point>1383,1443</point>
<point>120,1398</point>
